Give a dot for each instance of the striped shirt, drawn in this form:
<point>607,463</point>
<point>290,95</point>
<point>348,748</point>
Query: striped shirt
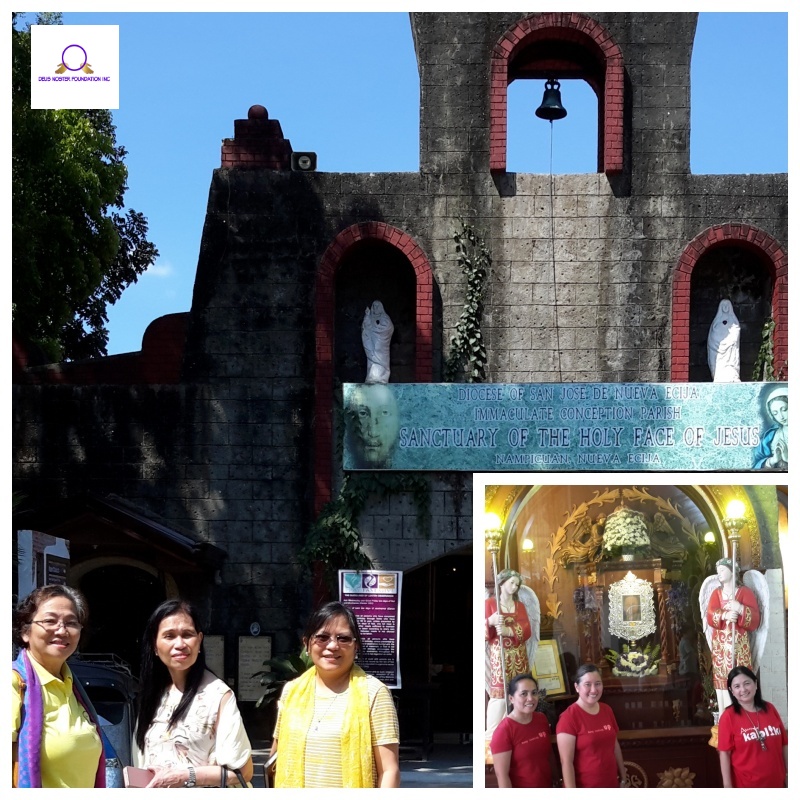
<point>323,765</point>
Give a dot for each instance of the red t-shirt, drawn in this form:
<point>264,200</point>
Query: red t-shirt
<point>752,767</point>
<point>530,751</point>
<point>595,736</point>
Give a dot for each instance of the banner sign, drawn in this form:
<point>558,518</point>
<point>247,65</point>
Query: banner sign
<point>374,597</point>
<point>566,426</point>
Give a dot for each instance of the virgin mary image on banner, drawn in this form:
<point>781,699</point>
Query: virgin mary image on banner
<point>773,450</point>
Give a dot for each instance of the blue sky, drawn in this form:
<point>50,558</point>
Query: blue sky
<point>185,77</point>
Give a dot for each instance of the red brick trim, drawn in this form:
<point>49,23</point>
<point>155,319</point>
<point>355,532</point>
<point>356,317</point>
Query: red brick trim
<point>752,238</point>
<point>324,338</point>
<point>568,28</point>
<point>258,143</point>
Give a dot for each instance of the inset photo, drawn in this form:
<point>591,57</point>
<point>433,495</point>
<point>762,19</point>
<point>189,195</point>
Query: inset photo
<point>633,635</point>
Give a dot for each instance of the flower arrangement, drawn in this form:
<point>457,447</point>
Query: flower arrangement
<point>626,531</point>
<point>634,663</point>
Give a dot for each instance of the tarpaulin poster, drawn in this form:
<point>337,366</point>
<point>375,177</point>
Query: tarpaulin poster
<point>374,597</point>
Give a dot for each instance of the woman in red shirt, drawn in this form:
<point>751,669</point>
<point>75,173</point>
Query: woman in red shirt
<point>520,745</point>
<point>752,739</point>
<point>587,737</point>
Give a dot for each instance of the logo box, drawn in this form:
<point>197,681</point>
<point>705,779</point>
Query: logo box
<point>75,66</point>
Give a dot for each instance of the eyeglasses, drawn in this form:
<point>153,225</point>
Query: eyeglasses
<point>324,638</point>
<point>51,625</point>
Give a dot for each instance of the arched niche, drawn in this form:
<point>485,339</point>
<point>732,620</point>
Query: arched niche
<point>728,272</point>
<point>383,256</point>
<point>730,237</point>
<point>374,270</point>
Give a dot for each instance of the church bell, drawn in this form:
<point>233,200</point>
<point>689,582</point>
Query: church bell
<point>551,107</point>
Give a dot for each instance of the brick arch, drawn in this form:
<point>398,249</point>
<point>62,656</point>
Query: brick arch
<point>324,333</point>
<point>747,236</point>
<point>573,30</point>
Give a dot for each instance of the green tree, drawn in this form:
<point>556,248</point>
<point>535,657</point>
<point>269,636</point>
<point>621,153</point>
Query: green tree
<point>75,248</point>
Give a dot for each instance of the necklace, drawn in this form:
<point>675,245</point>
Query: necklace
<point>759,733</point>
<point>325,712</point>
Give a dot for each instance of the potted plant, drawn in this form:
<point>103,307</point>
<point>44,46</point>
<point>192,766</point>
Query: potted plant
<point>278,673</point>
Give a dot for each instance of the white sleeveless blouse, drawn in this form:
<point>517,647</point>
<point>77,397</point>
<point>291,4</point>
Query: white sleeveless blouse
<point>206,736</point>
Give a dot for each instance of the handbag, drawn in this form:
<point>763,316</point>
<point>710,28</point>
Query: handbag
<point>269,771</point>
<point>223,778</point>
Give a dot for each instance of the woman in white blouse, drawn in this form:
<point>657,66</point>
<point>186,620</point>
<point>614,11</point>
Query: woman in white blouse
<point>188,730</point>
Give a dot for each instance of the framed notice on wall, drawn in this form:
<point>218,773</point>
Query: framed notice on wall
<point>548,668</point>
<point>253,652</point>
<point>214,646</point>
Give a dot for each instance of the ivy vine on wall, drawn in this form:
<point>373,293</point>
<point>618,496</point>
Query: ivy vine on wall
<point>467,360</point>
<point>335,539</point>
<point>764,368</point>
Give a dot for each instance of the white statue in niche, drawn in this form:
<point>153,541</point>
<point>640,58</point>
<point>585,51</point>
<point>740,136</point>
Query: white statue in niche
<point>723,345</point>
<point>376,335</point>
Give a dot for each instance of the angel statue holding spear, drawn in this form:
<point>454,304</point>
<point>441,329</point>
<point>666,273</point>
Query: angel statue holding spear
<point>734,622</point>
<point>512,621</point>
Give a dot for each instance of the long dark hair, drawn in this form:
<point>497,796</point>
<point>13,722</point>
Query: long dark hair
<point>758,701</point>
<point>154,677</point>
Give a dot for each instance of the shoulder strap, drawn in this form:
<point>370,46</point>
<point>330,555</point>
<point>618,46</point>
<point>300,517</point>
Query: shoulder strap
<point>20,681</point>
<point>83,697</point>
<point>22,686</point>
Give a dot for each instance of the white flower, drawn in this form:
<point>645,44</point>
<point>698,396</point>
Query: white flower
<point>626,528</point>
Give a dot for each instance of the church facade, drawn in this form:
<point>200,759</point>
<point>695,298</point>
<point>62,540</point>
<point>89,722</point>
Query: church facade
<point>199,464</point>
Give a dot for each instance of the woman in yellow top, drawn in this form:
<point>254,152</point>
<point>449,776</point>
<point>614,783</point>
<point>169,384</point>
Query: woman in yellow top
<point>55,737</point>
<point>337,726</point>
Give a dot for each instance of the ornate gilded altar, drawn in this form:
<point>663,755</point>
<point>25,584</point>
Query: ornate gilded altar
<point>616,571</point>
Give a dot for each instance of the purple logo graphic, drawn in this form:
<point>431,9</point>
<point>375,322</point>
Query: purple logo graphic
<point>71,54</point>
<point>369,581</point>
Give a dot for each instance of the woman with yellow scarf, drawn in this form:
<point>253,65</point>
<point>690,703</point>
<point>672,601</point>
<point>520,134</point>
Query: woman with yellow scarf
<point>337,726</point>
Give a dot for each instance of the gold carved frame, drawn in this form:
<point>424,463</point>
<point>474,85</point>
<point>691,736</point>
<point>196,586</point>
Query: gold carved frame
<point>548,668</point>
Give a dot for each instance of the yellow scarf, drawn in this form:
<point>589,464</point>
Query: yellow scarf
<point>297,713</point>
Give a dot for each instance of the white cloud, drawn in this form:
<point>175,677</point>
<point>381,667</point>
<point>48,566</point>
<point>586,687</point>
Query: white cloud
<point>161,269</point>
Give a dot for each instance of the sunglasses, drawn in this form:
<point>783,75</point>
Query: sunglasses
<point>324,638</point>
